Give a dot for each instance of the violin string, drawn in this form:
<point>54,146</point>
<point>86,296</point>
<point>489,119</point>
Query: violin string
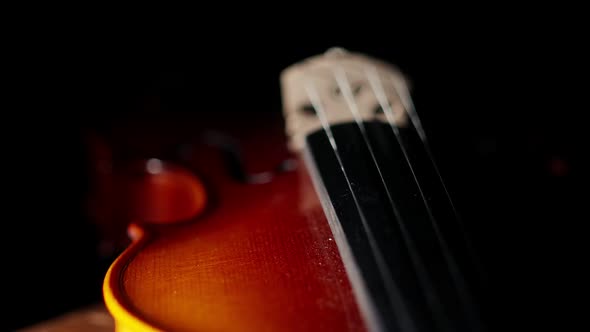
<point>460,284</point>
<point>423,277</point>
<point>393,291</point>
<point>408,104</point>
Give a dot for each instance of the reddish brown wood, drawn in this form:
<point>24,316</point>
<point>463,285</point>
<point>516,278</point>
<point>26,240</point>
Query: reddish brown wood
<point>260,257</point>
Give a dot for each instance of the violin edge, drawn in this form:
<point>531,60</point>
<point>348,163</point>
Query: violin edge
<point>126,319</point>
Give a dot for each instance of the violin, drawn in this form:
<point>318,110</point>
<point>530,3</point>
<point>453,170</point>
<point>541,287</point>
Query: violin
<point>331,216</point>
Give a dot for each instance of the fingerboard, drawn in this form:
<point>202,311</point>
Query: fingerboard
<point>393,222</point>
<point>406,254</point>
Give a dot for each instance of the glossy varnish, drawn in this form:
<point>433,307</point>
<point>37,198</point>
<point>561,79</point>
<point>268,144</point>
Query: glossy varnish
<point>259,257</point>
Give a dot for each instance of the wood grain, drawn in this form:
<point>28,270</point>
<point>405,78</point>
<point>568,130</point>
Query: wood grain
<point>260,258</point>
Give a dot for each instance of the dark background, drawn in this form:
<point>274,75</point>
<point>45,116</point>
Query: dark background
<point>496,102</point>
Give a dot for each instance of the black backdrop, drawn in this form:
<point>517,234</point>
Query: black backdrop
<point>504,138</point>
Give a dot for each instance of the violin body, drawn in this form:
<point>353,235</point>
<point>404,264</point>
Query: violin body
<point>330,216</point>
<point>257,257</point>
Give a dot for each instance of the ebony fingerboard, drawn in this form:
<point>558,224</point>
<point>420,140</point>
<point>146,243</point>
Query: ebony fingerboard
<point>408,253</point>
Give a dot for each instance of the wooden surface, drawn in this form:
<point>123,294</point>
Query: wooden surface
<point>89,319</point>
<point>260,258</point>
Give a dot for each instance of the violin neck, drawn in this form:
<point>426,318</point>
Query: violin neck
<point>403,247</point>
